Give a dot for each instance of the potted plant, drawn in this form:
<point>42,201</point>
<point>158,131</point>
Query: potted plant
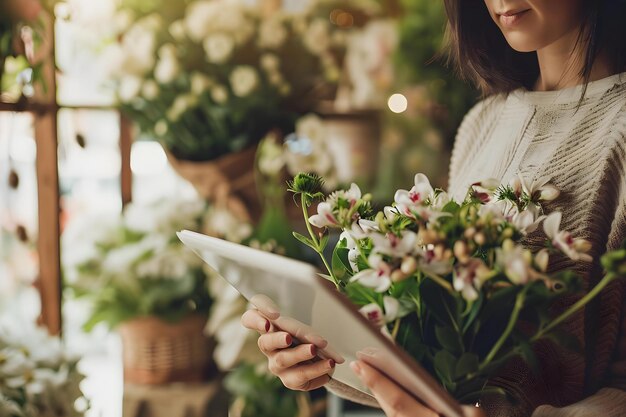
<point>141,280</point>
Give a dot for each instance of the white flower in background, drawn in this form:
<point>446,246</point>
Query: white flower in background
<point>468,278</point>
<point>168,67</point>
<point>181,105</point>
<point>317,36</point>
<point>219,94</point>
<point>172,262</point>
<point>164,216</point>
<point>150,90</point>
<point>177,30</point>
<point>120,261</point>
<point>198,17</point>
<point>270,62</point>
<point>138,46</point>
<point>160,127</point>
<point>432,262</point>
<point>312,127</point>
<point>129,88</point>
<point>205,17</point>
<point>271,159</point>
<point>225,224</point>
<point>272,32</point>
<point>574,248</point>
<point>377,316</point>
<point>369,65</point>
<point>219,47</point>
<point>122,20</point>
<point>515,261</point>
<point>244,80</point>
<point>378,277</point>
<point>200,83</point>
<point>393,245</point>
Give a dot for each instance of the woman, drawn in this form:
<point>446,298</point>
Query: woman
<point>553,71</point>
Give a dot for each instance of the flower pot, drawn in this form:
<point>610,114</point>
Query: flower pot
<point>228,180</point>
<point>157,352</point>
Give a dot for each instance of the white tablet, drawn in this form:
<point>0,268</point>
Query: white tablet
<point>315,308</point>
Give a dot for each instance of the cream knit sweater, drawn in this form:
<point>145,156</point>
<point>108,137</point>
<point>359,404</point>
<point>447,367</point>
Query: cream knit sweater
<point>583,151</point>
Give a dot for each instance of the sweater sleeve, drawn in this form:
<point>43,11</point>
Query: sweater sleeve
<point>609,401</point>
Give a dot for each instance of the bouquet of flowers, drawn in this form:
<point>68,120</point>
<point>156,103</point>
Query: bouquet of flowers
<point>136,266</point>
<point>37,378</point>
<point>450,281</point>
<point>213,77</point>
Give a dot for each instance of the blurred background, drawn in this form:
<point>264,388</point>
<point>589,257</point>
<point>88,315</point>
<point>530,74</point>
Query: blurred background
<point>123,121</point>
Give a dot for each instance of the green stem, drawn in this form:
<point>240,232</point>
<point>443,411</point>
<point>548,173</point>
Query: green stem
<point>442,282</point>
<point>608,278</point>
<point>519,303</point>
<point>316,242</point>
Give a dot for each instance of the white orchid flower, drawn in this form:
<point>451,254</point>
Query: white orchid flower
<point>538,189</point>
<point>573,248</point>
<point>408,202</point>
<point>468,278</point>
<point>393,245</point>
<point>324,216</point>
<point>485,189</point>
<point>378,277</point>
<point>377,316</point>
<point>528,220</point>
<point>352,195</point>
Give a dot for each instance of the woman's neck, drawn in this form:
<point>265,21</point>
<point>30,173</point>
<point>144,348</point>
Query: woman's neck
<point>561,63</point>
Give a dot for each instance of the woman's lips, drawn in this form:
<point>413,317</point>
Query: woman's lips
<point>510,19</point>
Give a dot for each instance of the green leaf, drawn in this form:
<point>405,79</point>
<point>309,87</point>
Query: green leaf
<point>445,365</point>
<point>340,264</point>
<point>467,364</point>
<point>449,339</point>
<point>307,241</point>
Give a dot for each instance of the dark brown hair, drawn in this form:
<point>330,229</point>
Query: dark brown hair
<point>482,55</point>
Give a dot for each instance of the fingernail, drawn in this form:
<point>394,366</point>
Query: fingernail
<point>313,350</point>
<point>356,367</point>
<point>288,340</point>
<point>267,326</point>
<point>331,363</point>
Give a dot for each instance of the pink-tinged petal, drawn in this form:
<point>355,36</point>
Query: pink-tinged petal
<point>551,224</point>
<point>374,314</point>
<point>318,221</point>
<point>366,276</point>
<point>516,184</point>
<point>469,293</point>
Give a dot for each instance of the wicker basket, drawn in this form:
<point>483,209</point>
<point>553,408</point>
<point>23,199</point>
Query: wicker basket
<point>156,352</point>
<point>228,180</point>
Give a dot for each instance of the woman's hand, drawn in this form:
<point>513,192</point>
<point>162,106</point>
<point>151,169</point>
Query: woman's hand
<point>298,367</point>
<point>394,401</point>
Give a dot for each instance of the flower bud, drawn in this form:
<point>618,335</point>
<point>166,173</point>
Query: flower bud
<point>479,238</point>
<point>469,233</point>
<point>398,276</point>
<point>541,259</point>
<point>409,265</point>
<point>460,251</point>
<point>582,245</point>
<point>439,249</point>
<point>549,193</point>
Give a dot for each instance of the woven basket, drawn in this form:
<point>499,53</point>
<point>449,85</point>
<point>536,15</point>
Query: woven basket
<point>156,352</point>
<point>227,180</point>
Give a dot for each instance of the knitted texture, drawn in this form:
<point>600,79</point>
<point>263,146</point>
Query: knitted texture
<point>582,150</point>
